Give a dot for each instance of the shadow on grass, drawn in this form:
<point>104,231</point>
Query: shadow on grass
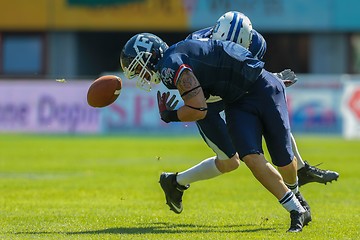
<point>162,227</point>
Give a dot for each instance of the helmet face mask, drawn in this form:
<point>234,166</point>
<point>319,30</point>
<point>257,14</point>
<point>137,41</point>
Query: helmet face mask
<point>139,58</point>
<point>137,69</point>
<point>233,26</point>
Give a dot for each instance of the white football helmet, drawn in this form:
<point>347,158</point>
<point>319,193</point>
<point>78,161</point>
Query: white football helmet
<point>233,26</point>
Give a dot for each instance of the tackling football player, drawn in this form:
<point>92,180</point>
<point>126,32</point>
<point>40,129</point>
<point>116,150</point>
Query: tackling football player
<point>217,137</point>
<point>254,101</point>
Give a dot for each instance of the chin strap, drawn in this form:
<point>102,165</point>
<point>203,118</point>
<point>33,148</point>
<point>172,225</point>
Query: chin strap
<point>155,78</point>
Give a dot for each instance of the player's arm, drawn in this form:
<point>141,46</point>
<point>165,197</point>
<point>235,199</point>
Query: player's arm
<point>195,107</point>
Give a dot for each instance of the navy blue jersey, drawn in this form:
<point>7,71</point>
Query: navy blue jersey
<point>222,68</point>
<point>257,45</point>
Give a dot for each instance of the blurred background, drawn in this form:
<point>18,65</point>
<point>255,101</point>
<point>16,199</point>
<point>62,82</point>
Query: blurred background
<point>51,51</point>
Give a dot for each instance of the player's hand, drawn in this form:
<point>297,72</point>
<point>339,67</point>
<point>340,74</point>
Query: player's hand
<point>288,77</point>
<point>166,105</point>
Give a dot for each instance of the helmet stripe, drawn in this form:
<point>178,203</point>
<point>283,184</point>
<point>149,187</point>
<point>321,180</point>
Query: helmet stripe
<point>262,51</point>
<point>233,22</point>
<point>237,32</point>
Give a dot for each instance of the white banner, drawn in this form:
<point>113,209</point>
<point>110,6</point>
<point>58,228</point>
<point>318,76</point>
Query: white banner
<point>316,105</point>
<point>351,109</point>
<point>46,106</point>
<point>49,106</point>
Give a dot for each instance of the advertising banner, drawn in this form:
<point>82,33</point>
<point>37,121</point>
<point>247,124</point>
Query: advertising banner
<point>314,104</point>
<point>46,107</point>
<point>97,15</point>
<point>49,106</point>
<point>351,109</point>
<point>281,15</point>
<point>177,15</point>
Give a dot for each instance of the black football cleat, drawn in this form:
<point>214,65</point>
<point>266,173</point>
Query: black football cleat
<point>306,206</point>
<point>310,173</point>
<point>298,221</point>
<point>173,191</point>
<point>303,202</point>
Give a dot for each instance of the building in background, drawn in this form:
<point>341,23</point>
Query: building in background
<point>77,38</point>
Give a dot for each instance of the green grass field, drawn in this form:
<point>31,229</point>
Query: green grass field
<point>73,187</point>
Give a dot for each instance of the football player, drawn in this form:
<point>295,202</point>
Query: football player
<point>235,26</point>
<point>254,102</point>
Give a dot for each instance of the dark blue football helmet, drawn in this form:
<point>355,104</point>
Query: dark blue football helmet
<point>139,58</point>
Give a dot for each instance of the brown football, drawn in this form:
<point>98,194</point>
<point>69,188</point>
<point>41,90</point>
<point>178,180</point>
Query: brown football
<point>104,91</point>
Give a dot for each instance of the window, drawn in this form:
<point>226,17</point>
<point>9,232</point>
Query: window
<point>287,51</point>
<point>355,53</point>
<point>22,54</point>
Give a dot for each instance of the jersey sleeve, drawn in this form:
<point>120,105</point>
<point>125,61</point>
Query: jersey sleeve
<point>172,68</point>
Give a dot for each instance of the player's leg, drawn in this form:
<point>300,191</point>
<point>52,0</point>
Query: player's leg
<point>214,132</point>
<point>174,184</point>
<point>248,142</point>
<point>307,173</point>
<point>245,129</point>
<point>300,162</point>
<point>247,119</point>
<point>277,136</point>
<point>276,129</point>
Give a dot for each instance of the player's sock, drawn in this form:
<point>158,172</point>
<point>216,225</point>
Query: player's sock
<point>300,162</point>
<point>294,187</point>
<point>290,202</point>
<point>204,170</point>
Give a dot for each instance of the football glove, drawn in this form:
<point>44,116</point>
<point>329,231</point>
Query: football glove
<point>287,76</point>
<point>167,106</point>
